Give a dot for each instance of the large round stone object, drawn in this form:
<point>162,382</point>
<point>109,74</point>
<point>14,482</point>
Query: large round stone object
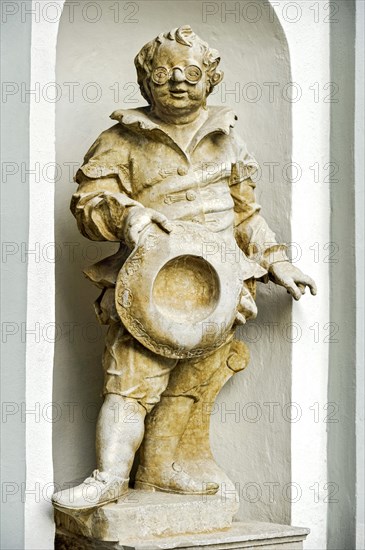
<point>178,293</point>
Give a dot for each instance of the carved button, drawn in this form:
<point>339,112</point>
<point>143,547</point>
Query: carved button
<point>176,467</point>
<point>191,195</point>
<point>182,171</point>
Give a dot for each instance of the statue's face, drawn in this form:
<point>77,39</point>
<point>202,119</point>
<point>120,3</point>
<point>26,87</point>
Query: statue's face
<point>179,81</point>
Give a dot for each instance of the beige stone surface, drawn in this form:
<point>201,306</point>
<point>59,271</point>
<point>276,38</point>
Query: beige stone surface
<point>174,289</point>
<point>265,536</point>
<point>143,515</point>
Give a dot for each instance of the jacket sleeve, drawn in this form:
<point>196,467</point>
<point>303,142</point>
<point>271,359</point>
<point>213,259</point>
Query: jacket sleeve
<point>103,195</point>
<point>252,232</point>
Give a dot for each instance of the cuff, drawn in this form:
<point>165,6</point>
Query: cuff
<point>273,255</point>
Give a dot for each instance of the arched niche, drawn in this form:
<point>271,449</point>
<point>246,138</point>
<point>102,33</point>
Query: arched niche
<point>95,71</point>
<point>64,444</point>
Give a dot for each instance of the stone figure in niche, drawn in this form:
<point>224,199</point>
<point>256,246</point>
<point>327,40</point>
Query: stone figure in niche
<point>173,183</point>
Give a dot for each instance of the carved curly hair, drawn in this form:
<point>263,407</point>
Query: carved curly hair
<point>183,35</point>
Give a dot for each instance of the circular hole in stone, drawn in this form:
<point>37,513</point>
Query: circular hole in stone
<point>186,289</point>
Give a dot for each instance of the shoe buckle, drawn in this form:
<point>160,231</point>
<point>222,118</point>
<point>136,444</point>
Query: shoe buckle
<point>96,476</point>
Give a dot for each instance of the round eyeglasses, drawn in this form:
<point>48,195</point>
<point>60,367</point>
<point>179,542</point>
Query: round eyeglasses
<point>192,74</point>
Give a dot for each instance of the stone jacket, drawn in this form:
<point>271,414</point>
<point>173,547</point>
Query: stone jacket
<point>210,183</point>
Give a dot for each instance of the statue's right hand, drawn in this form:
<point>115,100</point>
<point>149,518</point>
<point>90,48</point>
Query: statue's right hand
<point>137,219</point>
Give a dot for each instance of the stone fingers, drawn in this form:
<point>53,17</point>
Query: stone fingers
<point>306,280</point>
<point>161,221</point>
<point>292,288</point>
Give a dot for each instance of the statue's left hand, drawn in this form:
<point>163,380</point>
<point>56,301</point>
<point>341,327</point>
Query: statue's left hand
<point>292,278</point>
<point>247,308</point>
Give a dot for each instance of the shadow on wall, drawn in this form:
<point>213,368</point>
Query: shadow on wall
<point>96,75</point>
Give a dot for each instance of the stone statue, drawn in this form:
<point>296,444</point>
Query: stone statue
<point>172,182</point>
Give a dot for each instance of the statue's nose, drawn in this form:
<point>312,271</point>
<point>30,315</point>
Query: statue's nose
<point>177,75</point>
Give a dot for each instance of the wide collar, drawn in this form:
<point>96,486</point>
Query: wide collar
<point>220,120</point>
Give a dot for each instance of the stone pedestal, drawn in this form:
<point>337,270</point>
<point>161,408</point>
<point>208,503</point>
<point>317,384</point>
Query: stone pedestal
<point>162,521</point>
<point>264,536</point>
<point>144,515</point>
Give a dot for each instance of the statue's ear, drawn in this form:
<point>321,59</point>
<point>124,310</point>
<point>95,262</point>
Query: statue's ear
<point>214,80</point>
<point>217,78</point>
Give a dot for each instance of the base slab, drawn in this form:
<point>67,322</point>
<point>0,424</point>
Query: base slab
<point>142,515</point>
<point>263,536</point>
<point>160,521</point>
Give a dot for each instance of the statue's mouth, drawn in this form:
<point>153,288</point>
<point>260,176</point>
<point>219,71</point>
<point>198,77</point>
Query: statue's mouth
<point>178,93</point>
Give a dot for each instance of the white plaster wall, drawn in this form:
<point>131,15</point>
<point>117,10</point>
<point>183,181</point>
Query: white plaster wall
<point>256,454</point>
<point>39,529</point>
<point>309,53</point>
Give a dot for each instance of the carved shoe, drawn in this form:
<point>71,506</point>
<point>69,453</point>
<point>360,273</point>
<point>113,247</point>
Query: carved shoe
<point>97,490</point>
<point>173,480</point>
